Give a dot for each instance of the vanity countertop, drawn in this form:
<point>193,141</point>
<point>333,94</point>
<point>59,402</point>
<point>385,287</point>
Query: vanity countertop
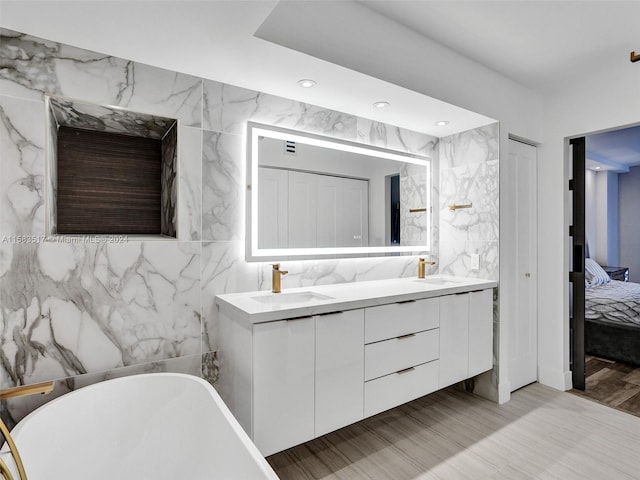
<point>264,306</point>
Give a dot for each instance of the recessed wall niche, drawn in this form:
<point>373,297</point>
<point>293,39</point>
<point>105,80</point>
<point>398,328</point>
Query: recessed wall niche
<point>111,171</point>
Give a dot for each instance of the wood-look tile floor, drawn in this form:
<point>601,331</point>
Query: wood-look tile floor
<point>540,433</point>
<point>612,383</point>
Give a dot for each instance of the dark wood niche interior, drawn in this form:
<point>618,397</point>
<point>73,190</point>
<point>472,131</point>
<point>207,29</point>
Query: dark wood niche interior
<point>108,183</point>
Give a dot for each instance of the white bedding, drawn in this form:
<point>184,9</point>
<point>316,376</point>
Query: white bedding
<point>613,301</point>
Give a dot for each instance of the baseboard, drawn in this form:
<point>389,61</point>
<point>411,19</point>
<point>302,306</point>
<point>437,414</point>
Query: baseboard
<point>504,392</point>
<point>558,379</point>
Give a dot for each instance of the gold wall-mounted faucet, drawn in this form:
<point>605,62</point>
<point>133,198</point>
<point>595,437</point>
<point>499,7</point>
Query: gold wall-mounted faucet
<point>422,263</point>
<point>276,275</point>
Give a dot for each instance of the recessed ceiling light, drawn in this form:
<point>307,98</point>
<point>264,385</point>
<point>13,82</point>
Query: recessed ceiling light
<point>598,168</point>
<point>306,83</point>
<point>381,104</point>
<point>442,123</point>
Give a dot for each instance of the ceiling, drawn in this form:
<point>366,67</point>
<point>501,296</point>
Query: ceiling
<point>615,151</point>
<point>543,45</point>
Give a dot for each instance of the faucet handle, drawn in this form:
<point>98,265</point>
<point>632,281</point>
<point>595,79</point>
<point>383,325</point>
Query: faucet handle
<point>276,267</point>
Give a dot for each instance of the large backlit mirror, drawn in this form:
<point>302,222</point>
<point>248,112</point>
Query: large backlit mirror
<point>313,196</point>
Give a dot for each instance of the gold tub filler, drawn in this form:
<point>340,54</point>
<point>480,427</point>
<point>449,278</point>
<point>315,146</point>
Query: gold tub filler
<point>22,391</point>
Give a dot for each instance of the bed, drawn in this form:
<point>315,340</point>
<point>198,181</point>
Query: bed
<point>612,320</point>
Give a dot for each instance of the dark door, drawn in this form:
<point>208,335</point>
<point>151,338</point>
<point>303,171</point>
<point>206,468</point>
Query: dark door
<point>576,276</point>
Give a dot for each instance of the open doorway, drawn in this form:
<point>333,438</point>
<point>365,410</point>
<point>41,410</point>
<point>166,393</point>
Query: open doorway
<point>605,321</point>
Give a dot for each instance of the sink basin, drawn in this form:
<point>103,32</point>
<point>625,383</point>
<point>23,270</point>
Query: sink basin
<point>436,281</point>
<point>293,297</point>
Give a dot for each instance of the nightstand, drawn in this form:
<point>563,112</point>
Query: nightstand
<point>618,273</point>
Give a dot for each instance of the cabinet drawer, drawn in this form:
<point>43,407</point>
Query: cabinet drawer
<point>390,356</point>
<point>392,390</point>
<point>397,319</point>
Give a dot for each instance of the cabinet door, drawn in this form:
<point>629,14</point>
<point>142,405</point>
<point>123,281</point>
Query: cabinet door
<point>339,370</point>
<point>480,332</point>
<point>454,339</point>
<point>283,384</point>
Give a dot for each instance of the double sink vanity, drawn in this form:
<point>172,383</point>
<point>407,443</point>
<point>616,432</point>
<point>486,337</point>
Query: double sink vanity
<point>299,364</point>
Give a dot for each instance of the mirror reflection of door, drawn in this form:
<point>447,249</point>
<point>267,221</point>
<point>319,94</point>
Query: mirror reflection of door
<point>305,209</point>
<point>317,193</point>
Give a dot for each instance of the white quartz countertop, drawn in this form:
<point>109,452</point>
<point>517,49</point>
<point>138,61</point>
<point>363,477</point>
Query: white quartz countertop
<point>264,306</point>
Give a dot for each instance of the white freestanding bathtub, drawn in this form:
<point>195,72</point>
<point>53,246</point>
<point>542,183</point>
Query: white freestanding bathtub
<point>154,426</point>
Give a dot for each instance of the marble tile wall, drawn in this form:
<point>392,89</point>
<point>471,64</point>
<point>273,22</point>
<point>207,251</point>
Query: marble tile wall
<point>82,311</point>
<point>469,174</point>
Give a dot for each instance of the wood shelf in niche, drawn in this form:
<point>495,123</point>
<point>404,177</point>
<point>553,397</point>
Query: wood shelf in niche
<point>112,171</point>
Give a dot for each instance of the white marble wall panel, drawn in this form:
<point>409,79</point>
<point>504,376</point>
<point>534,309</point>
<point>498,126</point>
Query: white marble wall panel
<point>190,183</point>
<point>99,118</point>
<point>396,138</point>
<point>51,175</point>
<point>22,166</point>
<point>223,186</point>
<point>69,309</point>
<point>33,67</point>
<point>469,175</point>
<point>169,181</point>
<point>413,196</point>
<point>228,108</point>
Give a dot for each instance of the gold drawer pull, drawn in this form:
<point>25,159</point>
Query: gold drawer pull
<point>408,335</point>
<point>406,370</point>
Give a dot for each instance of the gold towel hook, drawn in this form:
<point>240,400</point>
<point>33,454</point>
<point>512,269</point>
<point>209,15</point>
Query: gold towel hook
<point>634,57</point>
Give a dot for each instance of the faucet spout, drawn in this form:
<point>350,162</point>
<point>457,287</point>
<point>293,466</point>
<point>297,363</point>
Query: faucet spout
<point>276,276</point>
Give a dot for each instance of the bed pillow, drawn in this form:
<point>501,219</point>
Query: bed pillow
<point>594,274</point>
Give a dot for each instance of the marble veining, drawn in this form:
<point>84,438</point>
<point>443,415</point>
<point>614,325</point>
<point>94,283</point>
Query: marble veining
<point>99,118</point>
<point>469,174</point>
<point>33,67</point>
<point>227,109</point>
<point>223,195</point>
<point>61,303</point>
<point>168,173</point>
<point>190,183</point>
<point>22,160</point>
<point>51,167</point>
<point>396,138</point>
<point>413,196</point>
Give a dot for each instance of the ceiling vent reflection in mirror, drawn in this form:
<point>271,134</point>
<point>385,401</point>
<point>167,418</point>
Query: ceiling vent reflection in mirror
<point>334,198</point>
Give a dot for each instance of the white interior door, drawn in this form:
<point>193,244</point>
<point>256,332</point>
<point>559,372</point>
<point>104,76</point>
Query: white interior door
<point>522,254</point>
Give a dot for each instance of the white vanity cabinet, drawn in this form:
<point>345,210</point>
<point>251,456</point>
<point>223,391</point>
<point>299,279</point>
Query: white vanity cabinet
<point>466,335</point>
<point>290,374</point>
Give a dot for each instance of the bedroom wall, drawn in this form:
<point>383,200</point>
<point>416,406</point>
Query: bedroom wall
<point>590,214</point>
<point>601,216</point>
<point>629,194</point>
